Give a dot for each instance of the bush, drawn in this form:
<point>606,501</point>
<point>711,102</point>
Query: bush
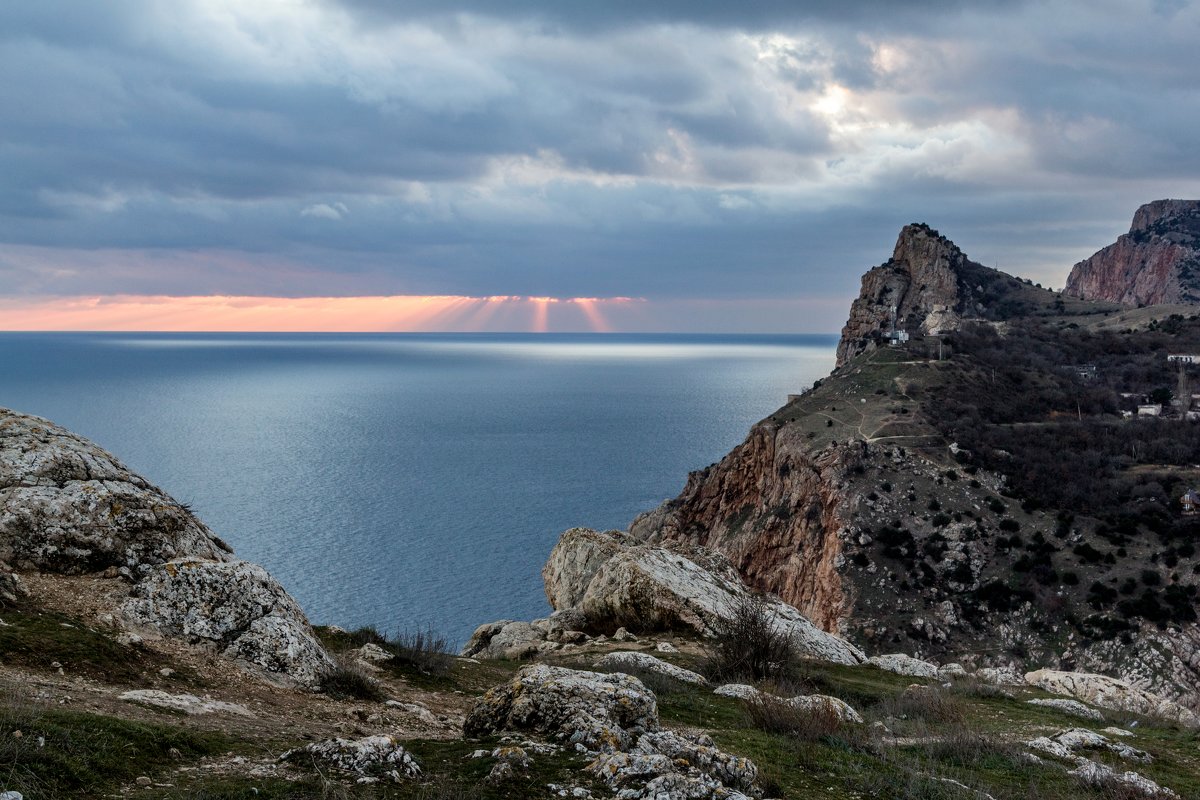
<point>773,715</point>
<point>747,645</point>
<point>425,651</point>
<point>345,681</point>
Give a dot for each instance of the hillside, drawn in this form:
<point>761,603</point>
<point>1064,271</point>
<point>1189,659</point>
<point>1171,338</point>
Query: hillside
<point>979,495</point>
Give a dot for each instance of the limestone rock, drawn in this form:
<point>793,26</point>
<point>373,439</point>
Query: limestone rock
<point>740,691</point>
<point>187,703</point>
<point>1072,707</point>
<point>817,703</point>
<point>1156,262</point>
<point>615,580</point>
<point>903,664</point>
<point>12,590</point>
<point>600,711</point>
<point>68,506</point>
<point>235,605</point>
<point>372,757</point>
<point>1104,776</point>
<point>1112,693</point>
<point>627,660</point>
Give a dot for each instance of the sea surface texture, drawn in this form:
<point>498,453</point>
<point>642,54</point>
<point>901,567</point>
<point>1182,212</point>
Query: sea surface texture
<point>410,481</point>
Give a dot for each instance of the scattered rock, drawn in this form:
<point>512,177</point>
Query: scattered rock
<point>947,671</point>
<point>1000,676</point>
<point>616,580</point>
<point>623,635</point>
<point>142,780</point>
<point>903,664</point>
<point>1066,745</point>
<point>1072,707</point>
<point>627,660</point>
<point>809,702</point>
<point>187,703</point>
<point>666,647</point>
<point>236,605</point>
<point>373,654</point>
<point>741,691</point>
<point>372,757</point>
<point>1111,693</point>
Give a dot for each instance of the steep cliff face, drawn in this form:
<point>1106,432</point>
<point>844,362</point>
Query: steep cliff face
<point>1157,262</point>
<point>776,511</point>
<point>922,281</point>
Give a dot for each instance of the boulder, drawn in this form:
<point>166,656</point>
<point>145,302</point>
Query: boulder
<point>597,710</point>
<point>903,664</point>
<point>67,506</point>
<point>1111,693</point>
<point>505,638</point>
<point>629,661</point>
<point>1104,777</point>
<point>817,703</point>
<point>371,758</point>
<point>617,581</point>
<point>236,606</point>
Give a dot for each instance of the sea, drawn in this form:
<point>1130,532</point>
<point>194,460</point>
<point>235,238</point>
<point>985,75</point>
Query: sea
<point>410,481</point>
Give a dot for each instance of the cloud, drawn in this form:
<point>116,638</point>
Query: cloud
<point>325,211</point>
<point>672,150</point>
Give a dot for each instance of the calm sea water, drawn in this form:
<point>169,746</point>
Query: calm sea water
<point>410,480</point>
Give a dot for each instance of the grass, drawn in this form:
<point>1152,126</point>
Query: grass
<point>35,639</point>
<point>422,658</point>
<point>346,681</point>
<point>72,754</point>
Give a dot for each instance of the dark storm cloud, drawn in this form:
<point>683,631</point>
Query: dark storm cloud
<point>574,149</point>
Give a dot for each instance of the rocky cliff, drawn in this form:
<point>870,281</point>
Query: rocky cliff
<point>1157,262</point>
<point>891,502</point>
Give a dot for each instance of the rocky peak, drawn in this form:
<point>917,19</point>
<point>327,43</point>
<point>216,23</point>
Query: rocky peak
<point>1157,262</point>
<point>922,281</point>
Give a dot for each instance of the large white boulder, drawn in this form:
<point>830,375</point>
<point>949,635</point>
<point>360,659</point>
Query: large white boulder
<point>68,506</point>
<point>235,605</point>
<point>616,580</point>
<point>1111,693</point>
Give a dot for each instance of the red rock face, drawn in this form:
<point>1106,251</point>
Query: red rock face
<point>775,511</point>
<point>1157,262</point>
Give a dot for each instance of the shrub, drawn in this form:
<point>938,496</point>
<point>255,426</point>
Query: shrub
<point>927,704</point>
<point>773,715</point>
<point>345,681</point>
<point>746,644</point>
<point>425,651</point>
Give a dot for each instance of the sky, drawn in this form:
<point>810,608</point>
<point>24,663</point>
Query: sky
<point>631,165</point>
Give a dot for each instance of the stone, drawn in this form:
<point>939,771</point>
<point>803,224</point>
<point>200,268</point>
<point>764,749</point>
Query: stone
<point>1072,707</point>
<point>629,661</point>
<point>12,590</point>
<point>235,605</point>
<point>142,780</point>
<point>67,506</point>
<point>1000,676</point>
<point>370,757</point>
<point>373,654</point>
<point>1111,693</point>
<point>903,664</point>
<point>1103,776</point>
<point>616,581</point>
<point>505,638</point>
<point>740,691</point>
<point>949,671</point>
<point>187,703</point>
<point>598,710</point>
<point>623,635</point>
<point>666,647</point>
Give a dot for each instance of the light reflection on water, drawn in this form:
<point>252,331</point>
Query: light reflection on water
<point>406,480</point>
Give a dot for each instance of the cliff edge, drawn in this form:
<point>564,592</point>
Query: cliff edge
<point>1157,262</point>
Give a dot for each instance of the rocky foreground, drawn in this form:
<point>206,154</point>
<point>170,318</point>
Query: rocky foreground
<point>129,628</point>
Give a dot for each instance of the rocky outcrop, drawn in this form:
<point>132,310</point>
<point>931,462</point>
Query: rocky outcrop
<point>183,703</point>
<point>1072,707</point>
<point>615,718</point>
<point>616,580</point>
<point>68,506</point>
<point>234,605</point>
<point>1112,693</point>
<point>1156,262</point>
<point>514,639</point>
<point>776,510</point>
<point>371,758</point>
<point>811,703</point>
<point>924,288</point>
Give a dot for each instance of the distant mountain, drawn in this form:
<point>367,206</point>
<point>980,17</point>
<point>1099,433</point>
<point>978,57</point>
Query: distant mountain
<point>1156,263</point>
